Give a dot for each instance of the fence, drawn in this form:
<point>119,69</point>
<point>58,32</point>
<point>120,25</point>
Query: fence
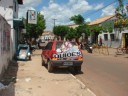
<point>100,49</point>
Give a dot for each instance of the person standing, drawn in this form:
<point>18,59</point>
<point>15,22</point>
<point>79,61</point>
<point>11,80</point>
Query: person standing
<point>100,41</point>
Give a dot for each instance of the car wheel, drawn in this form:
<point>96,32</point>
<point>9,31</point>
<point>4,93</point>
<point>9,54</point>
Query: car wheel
<point>77,69</point>
<point>90,50</point>
<point>29,57</point>
<point>43,63</point>
<point>50,67</point>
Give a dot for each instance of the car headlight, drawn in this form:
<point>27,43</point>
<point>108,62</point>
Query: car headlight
<point>29,54</point>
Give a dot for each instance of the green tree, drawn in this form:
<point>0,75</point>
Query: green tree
<point>36,30</point>
<point>78,19</point>
<point>82,28</point>
<point>107,27</point>
<point>72,33</point>
<point>120,15</point>
<point>95,30</point>
<point>60,30</point>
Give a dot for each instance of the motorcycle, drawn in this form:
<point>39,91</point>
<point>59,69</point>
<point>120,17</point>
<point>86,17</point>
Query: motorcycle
<point>87,47</point>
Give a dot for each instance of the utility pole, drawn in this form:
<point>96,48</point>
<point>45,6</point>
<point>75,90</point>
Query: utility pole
<point>54,21</point>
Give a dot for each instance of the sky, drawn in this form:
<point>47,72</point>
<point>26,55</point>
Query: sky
<point>63,10</point>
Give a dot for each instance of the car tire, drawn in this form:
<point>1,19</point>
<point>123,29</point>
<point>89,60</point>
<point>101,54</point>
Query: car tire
<point>29,57</point>
<point>43,63</point>
<point>77,69</point>
<point>50,67</point>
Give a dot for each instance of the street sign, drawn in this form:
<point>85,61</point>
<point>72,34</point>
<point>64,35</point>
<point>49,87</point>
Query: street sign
<point>32,17</point>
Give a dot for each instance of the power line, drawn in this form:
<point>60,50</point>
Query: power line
<point>54,21</point>
<point>101,8</point>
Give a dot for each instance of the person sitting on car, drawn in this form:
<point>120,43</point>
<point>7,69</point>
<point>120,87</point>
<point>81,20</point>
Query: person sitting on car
<point>66,46</point>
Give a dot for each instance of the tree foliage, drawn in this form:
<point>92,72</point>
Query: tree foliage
<point>107,27</point>
<point>78,19</point>
<point>60,30</point>
<point>75,33</point>
<point>36,30</point>
<point>72,33</point>
<point>96,28</point>
<point>84,28</point>
<point>120,15</point>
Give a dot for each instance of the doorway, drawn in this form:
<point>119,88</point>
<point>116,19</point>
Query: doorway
<point>126,40</point>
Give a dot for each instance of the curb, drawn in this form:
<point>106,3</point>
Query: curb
<point>83,85</point>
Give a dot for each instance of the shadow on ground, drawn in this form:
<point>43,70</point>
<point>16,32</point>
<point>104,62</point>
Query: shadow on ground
<point>63,70</point>
<point>8,79</point>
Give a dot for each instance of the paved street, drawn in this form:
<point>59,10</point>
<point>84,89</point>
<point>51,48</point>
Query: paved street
<point>105,75</point>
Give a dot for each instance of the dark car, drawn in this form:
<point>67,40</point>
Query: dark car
<point>61,53</point>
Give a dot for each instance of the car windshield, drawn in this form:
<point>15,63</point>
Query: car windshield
<point>61,45</point>
<point>58,45</point>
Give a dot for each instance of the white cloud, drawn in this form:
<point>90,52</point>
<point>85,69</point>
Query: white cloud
<point>110,10</point>
<point>31,2</point>
<point>26,5</point>
<point>81,6</point>
<point>88,20</point>
<point>99,6</point>
<point>71,2</point>
<point>61,12</point>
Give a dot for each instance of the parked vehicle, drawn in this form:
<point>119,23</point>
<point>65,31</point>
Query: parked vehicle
<point>87,47</point>
<point>34,47</point>
<point>23,52</point>
<point>61,53</point>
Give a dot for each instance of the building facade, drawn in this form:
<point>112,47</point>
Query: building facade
<point>8,32</point>
<point>111,39</point>
<point>5,32</point>
<point>46,36</point>
<point>9,10</point>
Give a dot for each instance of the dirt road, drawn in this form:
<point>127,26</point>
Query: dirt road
<point>34,80</point>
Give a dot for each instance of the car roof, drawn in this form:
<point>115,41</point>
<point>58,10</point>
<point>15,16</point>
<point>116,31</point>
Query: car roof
<point>56,41</point>
<point>61,41</point>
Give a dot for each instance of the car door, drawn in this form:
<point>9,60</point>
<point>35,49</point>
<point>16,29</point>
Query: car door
<point>47,49</point>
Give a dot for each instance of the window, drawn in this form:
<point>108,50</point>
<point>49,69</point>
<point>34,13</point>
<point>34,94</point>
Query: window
<point>106,37</point>
<point>112,37</point>
<point>49,46</point>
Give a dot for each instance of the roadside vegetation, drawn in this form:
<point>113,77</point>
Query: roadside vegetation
<point>67,32</point>
<point>35,30</point>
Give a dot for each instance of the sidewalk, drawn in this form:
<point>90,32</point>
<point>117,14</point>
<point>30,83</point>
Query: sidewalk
<point>110,52</point>
<point>34,80</point>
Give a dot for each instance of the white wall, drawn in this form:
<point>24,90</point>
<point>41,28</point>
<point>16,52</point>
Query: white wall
<point>8,11</point>
<point>5,30</point>
<point>115,43</point>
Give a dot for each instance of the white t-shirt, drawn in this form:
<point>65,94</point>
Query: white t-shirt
<point>66,46</point>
